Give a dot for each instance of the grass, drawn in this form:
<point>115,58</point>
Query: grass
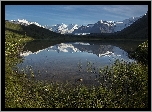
<point>125,85</point>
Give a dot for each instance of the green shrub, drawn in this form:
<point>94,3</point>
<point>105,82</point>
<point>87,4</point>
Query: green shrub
<point>128,89</point>
<point>128,83</point>
<point>141,53</point>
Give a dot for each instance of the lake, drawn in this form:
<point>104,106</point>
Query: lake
<point>72,61</point>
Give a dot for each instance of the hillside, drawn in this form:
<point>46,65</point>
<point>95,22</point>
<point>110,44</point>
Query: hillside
<point>139,29</point>
<point>30,31</point>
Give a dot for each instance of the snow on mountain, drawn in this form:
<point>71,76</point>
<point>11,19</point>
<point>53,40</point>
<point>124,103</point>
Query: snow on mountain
<point>59,28</point>
<point>63,28</point>
<point>125,23</point>
<point>99,27</point>
<point>25,22</point>
<point>105,26</point>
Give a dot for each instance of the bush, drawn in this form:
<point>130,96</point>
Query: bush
<point>141,53</point>
<point>125,86</point>
<point>128,82</point>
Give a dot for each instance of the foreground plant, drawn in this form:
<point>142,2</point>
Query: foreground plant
<point>124,85</point>
<point>128,89</point>
<point>141,53</point>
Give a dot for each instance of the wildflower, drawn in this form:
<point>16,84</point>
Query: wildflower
<point>46,89</point>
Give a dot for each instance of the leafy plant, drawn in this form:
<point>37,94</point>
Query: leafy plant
<point>141,53</point>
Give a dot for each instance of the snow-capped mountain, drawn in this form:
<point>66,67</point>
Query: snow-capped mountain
<point>99,27</point>
<point>59,28</point>
<point>125,23</point>
<point>63,28</point>
<point>105,26</point>
<point>25,22</point>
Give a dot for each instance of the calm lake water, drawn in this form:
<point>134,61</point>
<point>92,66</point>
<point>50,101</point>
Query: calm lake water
<point>70,61</point>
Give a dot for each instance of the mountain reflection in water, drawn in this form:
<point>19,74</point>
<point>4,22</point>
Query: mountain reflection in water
<point>99,50</point>
<point>68,61</point>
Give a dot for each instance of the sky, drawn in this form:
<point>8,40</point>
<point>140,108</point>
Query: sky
<point>73,14</point>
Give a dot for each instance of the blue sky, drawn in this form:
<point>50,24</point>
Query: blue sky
<point>75,14</point>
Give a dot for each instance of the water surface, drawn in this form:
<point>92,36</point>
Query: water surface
<point>70,61</point>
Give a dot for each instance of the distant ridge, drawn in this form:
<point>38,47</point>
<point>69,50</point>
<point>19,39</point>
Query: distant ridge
<point>98,27</point>
<point>106,26</point>
<point>134,29</point>
<point>139,29</point>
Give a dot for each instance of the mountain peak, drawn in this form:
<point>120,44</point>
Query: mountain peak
<point>25,22</point>
<point>101,26</point>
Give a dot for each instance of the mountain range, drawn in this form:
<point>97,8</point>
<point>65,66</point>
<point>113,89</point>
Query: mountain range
<point>98,27</point>
<point>105,26</point>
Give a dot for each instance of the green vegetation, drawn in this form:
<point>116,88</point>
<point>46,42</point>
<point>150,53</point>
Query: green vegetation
<point>127,82</point>
<point>31,31</point>
<point>141,53</point>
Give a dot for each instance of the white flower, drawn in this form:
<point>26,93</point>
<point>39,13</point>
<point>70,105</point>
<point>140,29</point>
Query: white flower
<point>46,90</point>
